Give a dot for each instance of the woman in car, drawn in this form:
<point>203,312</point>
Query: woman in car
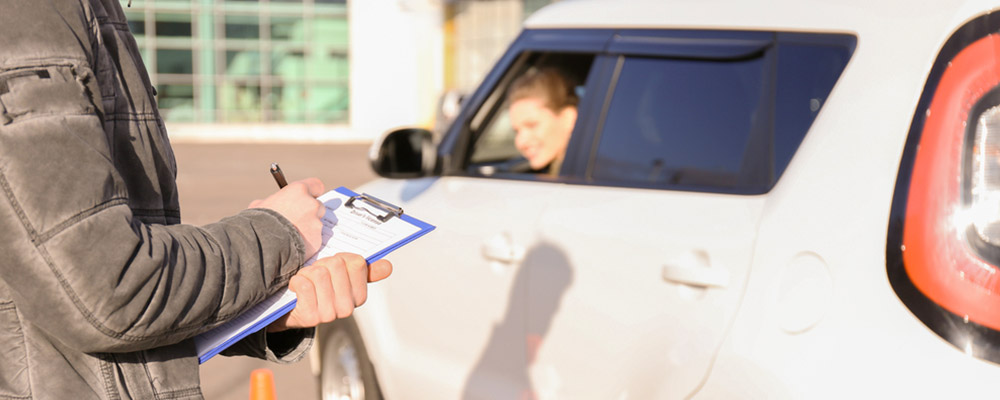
<point>542,112</point>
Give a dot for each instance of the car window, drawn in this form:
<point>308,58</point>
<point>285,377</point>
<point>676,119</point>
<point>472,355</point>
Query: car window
<point>493,150</point>
<point>674,121</point>
<point>713,125</point>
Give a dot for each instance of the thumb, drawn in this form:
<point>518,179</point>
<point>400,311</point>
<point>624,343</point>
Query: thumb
<point>379,270</point>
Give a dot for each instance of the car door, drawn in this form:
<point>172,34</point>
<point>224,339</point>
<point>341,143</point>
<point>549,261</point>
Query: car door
<point>648,252</point>
<point>449,310</point>
<point>456,313</point>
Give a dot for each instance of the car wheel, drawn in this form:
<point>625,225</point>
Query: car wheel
<point>346,372</point>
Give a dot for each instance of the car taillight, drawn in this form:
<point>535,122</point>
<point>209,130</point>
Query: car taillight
<point>951,227</point>
<point>984,177</point>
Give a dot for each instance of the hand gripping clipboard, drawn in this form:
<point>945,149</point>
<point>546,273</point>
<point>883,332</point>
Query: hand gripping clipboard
<point>358,223</point>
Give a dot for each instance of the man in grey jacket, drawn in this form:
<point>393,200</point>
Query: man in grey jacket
<point>101,287</point>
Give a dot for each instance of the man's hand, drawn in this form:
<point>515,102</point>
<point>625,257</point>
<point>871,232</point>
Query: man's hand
<point>330,289</point>
<point>297,202</point>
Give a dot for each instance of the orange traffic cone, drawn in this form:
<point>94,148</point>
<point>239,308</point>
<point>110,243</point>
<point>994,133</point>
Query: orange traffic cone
<point>262,385</point>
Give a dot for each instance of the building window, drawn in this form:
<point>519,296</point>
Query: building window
<point>280,61</point>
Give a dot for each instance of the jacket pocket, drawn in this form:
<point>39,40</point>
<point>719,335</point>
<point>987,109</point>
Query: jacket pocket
<point>43,90</point>
<point>14,368</point>
<point>173,371</point>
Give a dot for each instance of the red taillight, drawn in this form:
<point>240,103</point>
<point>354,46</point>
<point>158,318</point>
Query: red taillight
<point>938,252</point>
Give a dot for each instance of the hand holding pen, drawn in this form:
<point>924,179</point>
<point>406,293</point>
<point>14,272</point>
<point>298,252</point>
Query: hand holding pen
<point>331,287</point>
<point>297,202</point>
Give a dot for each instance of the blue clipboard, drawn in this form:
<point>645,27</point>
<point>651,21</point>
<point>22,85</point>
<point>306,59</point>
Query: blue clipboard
<point>280,304</point>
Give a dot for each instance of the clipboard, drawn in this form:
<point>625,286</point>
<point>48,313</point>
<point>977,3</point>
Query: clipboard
<point>366,225</point>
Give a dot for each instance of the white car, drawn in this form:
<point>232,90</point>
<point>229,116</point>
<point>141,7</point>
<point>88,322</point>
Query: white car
<point>761,199</point>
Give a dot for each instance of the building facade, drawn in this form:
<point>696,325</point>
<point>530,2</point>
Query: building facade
<point>319,70</point>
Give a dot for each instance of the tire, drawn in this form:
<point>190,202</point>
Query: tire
<point>346,372</point>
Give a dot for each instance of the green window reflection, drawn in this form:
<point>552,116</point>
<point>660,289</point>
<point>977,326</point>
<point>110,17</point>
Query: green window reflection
<point>173,25</point>
<point>223,61</point>
<point>240,101</point>
<point>136,23</point>
<point>174,61</point>
<point>243,62</point>
<point>176,102</point>
<point>242,27</point>
<point>287,29</point>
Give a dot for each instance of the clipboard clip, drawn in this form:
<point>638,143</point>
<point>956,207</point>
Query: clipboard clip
<point>390,210</point>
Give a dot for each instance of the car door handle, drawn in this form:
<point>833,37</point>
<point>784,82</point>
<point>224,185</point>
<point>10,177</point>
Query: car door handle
<point>693,269</point>
<point>501,248</point>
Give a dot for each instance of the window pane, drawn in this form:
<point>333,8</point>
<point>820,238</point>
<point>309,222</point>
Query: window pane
<point>287,28</point>
<point>136,23</point>
<point>288,64</point>
<point>331,32</point>
<point>243,63</point>
<point>240,101</point>
<point>730,126</point>
<point>496,143</point>
<point>173,25</point>
<point>176,102</point>
<point>171,61</point>
<point>806,75</point>
<point>324,99</point>
<point>288,104</point>
<point>326,65</point>
<point>242,27</point>
<point>682,122</point>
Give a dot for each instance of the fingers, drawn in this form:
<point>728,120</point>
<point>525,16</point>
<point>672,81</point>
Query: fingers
<point>379,270</point>
<point>305,312</point>
<point>324,284</point>
<point>329,289</point>
<point>342,286</point>
<point>297,203</point>
<point>357,273</point>
<point>313,186</point>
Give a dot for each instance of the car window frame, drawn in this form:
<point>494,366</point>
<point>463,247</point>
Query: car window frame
<point>456,145</point>
<point>611,47</point>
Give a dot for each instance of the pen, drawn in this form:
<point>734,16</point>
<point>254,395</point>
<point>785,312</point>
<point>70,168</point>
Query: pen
<point>278,176</point>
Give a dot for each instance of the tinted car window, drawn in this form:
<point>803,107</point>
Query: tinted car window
<point>713,125</point>
<point>680,121</point>
<point>806,74</point>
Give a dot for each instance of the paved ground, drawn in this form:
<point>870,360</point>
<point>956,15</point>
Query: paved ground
<point>217,180</point>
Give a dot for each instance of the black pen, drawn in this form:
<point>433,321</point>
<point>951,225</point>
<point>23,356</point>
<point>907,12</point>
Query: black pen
<point>278,176</point>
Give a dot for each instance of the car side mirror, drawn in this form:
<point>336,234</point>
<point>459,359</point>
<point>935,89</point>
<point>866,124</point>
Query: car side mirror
<point>403,153</point>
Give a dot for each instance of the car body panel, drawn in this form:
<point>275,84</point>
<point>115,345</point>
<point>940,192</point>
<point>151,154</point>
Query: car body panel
<point>657,277</point>
<point>474,314</point>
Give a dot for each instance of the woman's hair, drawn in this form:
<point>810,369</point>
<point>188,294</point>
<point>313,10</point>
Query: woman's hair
<point>547,84</point>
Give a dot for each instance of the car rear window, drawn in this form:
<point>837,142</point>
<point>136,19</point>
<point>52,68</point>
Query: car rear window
<point>716,124</point>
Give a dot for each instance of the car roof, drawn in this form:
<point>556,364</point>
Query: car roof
<point>847,16</point>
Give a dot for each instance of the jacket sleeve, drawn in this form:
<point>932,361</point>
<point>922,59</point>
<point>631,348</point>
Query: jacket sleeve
<point>80,262</point>
<point>280,347</point>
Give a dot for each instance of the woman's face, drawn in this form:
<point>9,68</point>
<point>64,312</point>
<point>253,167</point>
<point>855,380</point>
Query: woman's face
<point>542,134</point>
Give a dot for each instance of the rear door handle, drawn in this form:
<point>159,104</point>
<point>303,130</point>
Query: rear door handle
<point>694,269</point>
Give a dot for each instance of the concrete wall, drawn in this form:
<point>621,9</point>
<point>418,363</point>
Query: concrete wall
<point>396,63</point>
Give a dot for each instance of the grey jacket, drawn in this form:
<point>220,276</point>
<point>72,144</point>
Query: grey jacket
<point>101,288</point>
